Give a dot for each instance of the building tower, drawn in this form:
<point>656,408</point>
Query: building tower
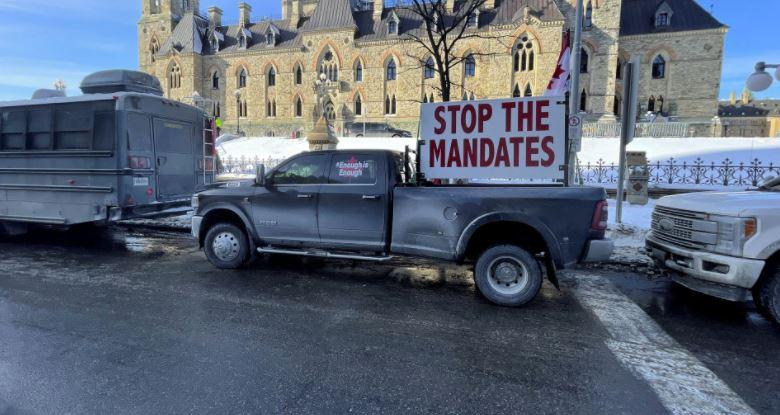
<point>158,19</point>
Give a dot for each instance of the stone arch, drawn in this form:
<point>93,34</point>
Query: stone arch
<point>527,30</point>
<point>667,52</point>
<point>591,46</point>
<point>394,54</point>
<point>325,45</point>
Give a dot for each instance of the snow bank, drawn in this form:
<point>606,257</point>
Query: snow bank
<point>280,148</point>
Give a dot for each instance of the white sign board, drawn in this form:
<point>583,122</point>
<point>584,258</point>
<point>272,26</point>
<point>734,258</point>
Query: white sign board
<point>517,138</point>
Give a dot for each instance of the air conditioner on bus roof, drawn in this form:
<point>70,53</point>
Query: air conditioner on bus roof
<point>120,80</point>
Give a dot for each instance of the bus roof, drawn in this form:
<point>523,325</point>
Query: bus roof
<point>79,98</point>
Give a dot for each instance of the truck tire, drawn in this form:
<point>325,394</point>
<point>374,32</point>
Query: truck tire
<point>508,275</point>
<point>767,295</point>
<point>226,246</point>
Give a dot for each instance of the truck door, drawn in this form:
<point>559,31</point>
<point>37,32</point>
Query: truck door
<point>353,205</point>
<point>174,160</point>
<point>285,212</point>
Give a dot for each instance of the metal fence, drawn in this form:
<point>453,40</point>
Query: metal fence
<point>245,166</point>
<point>683,174</point>
<point>643,129</point>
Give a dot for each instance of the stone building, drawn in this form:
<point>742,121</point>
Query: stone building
<point>379,75</point>
<point>747,117</point>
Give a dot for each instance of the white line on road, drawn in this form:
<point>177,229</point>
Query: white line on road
<point>683,384</point>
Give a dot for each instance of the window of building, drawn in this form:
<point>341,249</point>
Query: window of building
<point>392,27</point>
<point>651,104</point>
<point>431,98</point>
<point>662,20</point>
<point>583,101</point>
<point>659,67</point>
<point>619,69</point>
<point>154,47</point>
<point>516,91</point>
<point>242,78</point>
<point>270,108</point>
<point>270,39</point>
<point>524,58</point>
<point>329,66</point>
<point>584,60</point>
<point>174,77</point>
<point>272,77</point>
<point>215,80</point>
<point>298,75</point>
<point>473,20</point>
<point>298,107</point>
<point>588,18</point>
<point>528,91</point>
<point>391,72</point>
<point>217,110</point>
<point>430,69</point>
<point>470,66</point>
<point>359,71</point>
<point>242,108</point>
<point>659,103</point>
<point>425,99</point>
<point>358,106</point>
<point>330,111</point>
<point>390,105</point>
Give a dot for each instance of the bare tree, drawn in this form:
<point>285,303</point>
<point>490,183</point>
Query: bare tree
<point>440,34</point>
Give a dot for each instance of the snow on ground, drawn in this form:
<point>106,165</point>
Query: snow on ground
<point>629,236</point>
<point>708,149</point>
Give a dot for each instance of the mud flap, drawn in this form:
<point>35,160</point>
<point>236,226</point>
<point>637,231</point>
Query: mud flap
<point>551,272</point>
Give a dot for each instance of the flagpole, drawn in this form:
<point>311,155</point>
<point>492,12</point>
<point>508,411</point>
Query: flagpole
<point>574,94</point>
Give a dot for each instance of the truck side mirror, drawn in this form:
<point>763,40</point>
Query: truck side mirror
<point>260,175</point>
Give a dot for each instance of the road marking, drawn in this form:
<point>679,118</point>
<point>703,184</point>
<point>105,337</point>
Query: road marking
<point>683,384</point>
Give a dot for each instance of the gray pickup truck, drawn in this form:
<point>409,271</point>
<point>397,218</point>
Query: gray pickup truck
<point>360,205</point>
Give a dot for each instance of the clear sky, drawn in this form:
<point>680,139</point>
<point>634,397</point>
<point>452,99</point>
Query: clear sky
<point>45,40</point>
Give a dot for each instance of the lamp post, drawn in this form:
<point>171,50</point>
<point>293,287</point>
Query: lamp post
<point>760,80</point>
<point>238,111</point>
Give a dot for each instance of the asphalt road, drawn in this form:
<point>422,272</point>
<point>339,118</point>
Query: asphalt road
<point>129,322</point>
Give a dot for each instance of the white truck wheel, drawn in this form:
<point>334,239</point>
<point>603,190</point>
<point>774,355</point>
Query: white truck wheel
<point>767,295</point>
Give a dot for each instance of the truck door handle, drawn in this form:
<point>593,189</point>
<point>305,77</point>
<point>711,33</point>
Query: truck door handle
<point>304,196</point>
<point>370,197</point>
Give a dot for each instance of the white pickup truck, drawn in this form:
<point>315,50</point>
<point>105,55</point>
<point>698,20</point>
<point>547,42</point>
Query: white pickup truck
<point>724,244</point>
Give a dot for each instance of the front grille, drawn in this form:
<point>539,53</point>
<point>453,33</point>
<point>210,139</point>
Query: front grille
<point>683,228</point>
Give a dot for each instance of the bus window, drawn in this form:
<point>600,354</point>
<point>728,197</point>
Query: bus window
<point>139,134</point>
<point>172,137</point>
<point>39,134</point>
<point>73,130</point>
<point>105,131</point>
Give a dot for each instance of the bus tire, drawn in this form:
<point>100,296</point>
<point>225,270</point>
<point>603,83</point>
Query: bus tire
<point>227,246</point>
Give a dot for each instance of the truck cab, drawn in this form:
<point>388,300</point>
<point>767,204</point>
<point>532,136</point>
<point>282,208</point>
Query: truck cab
<point>723,244</point>
<point>360,204</point>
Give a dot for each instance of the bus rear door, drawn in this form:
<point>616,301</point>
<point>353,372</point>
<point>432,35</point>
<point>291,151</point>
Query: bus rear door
<point>174,148</point>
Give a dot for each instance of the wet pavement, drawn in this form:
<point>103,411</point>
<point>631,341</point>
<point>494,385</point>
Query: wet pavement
<point>121,321</point>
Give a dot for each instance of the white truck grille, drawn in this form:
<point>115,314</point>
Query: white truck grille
<point>684,228</point>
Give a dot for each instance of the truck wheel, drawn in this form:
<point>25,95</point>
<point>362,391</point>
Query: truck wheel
<point>508,275</point>
<point>226,246</point>
<point>767,295</point>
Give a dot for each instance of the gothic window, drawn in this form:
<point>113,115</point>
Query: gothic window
<point>430,69</point>
<point>584,60</point>
<point>270,39</point>
<point>272,77</point>
<point>390,105</point>
<point>471,97</point>
<point>516,91</point>
<point>174,77</point>
<point>215,80</point>
<point>359,71</point>
<point>329,66</point>
<point>528,92</point>
<point>298,107</point>
<point>155,7</point>
<point>583,101</point>
<point>154,47</point>
<point>616,106</point>
<point>330,111</point>
<point>217,110</point>
<point>524,58</point>
<point>516,61</point>
<point>431,98</point>
<point>425,99</point>
<point>270,108</point>
<point>651,104</point>
<point>465,96</point>
<point>524,62</point>
<point>358,106</point>
<point>660,103</point>
<point>659,67</point>
<point>214,43</point>
<point>531,59</point>
<point>619,69</point>
<point>242,108</point>
<point>588,18</point>
<point>391,71</point>
<point>242,78</point>
<point>470,66</point>
<point>298,75</point>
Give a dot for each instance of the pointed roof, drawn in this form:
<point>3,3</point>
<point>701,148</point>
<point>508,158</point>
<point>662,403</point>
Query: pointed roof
<point>188,35</point>
<point>331,14</point>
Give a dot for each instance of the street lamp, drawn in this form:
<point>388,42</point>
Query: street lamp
<point>238,111</point>
<point>761,80</point>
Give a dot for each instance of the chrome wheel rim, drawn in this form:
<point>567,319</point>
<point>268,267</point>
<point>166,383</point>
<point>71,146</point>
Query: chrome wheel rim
<point>507,275</point>
<point>226,246</point>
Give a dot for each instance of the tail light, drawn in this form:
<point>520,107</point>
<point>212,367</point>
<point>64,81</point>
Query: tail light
<point>140,162</point>
<point>600,216</point>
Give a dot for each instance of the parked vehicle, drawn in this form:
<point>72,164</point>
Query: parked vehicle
<point>359,205</point>
<point>373,129</point>
<point>724,244</point>
<point>120,151</point>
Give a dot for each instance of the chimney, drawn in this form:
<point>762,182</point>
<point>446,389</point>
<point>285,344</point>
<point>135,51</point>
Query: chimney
<point>244,14</point>
<point>733,98</point>
<point>215,16</point>
<point>489,4</point>
<point>379,7</point>
<point>450,6</point>
<point>295,13</point>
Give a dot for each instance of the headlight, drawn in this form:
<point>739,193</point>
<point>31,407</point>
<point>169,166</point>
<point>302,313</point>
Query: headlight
<point>195,202</point>
<point>733,233</point>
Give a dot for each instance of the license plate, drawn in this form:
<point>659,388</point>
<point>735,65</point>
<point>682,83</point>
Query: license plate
<point>140,181</point>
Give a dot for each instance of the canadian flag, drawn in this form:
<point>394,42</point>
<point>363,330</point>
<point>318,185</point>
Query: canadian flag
<point>559,84</point>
